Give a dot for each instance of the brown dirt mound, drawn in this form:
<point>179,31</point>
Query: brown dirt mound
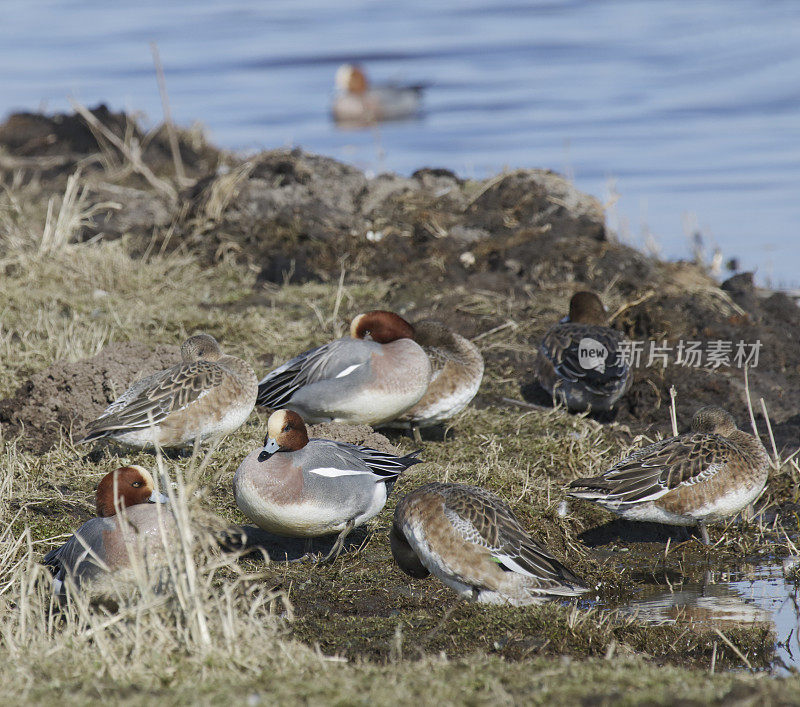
<point>65,396</point>
<point>438,239</point>
<point>68,136</point>
<point>298,215</point>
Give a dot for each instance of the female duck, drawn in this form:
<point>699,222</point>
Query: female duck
<point>307,488</point>
<point>457,372</point>
<point>128,526</point>
<point>470,540</point>
<point>370,377</point>
<point>580,361</point>
<point>209,394</point>
<point>700,477</point>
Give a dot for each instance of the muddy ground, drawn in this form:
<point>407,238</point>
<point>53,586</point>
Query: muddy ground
<point>497,260</point>
<point>434,238</point>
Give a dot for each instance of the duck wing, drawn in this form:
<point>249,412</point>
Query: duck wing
<point>561,346</point>
<point>482,518</point>
<point>151,400</point>
<point>653,471</point>
<point>336,359</point>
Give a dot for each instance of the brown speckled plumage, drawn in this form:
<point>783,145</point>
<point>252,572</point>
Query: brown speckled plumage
<point>456,374</point>
<point>208,393</point>
<point>471,540</point>
<point>705,475</point>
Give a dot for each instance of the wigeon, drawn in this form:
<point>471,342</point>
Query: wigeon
<point>457,372</point>
<point>700,477</point>
<point>580,361</point>
<point>209,394</point>
<point>370,377</point>
<point>470,539</point>
<point>358,103</point>
<point>128,528</point>
<point>298,487</point>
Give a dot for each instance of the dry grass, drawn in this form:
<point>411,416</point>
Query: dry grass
<point>225,628</point>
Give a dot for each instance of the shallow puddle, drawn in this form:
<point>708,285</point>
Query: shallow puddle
<point>747,595</point>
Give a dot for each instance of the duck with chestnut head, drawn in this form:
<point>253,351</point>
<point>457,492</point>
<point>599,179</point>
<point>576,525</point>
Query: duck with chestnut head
<point>208,394</point>
<point>580,361</point>
<point>703,476</point>
<point>369,377</point>
<point>130,525</point>
<point>300,487</point>
<point>357,103</point>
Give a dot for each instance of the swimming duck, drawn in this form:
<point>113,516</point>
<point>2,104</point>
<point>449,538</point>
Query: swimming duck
<point>298,487</point>
<point>209,394</point>
<point>580,361</point>
<point>457,372</point>
<point>469,539</point>
<point>128,525</point>
<point>703,476</point>
<point>358,103</point>
<point>370,377</point>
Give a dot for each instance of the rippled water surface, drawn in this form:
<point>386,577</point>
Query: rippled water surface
<point>684,116</point>
<point>749,594</point>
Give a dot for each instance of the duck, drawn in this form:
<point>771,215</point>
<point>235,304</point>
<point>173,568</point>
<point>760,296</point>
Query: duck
<point>703,476</point>
<point>470,540</point>
<point>357,103</point>
<point>209,394</point>
<point>300,487</point>
<point>128,525</point>
<point>370,377</point>
<point>456,374</point>
<point>580,361</point>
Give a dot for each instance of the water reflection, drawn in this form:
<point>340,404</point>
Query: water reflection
<point>750,594</point>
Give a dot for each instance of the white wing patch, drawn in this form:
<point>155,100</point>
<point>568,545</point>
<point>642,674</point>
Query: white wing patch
<point>347,371</point>
<point>330,472</point>
<point>509,563</point>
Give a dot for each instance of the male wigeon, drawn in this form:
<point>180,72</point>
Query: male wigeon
<point>471,541</point>
<point>695,478</point>
<point>209,394</point>
<point>457,372</point>
<point>580,361</point>
<point>298,487</point>
<point>370,377</point>
<point>358,103</point>
<point>128,528</point>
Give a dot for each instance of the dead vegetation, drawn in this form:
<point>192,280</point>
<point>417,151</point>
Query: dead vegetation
<point>83,278</point>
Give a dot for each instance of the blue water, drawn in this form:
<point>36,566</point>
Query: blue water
<point>685,115</point>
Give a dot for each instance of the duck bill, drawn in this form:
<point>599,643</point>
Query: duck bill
<point>157,497</point>
<point>270,448</point>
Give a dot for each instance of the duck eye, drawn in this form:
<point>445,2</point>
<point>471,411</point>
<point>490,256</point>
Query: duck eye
<point>286,428</point>
<point>136,484</point>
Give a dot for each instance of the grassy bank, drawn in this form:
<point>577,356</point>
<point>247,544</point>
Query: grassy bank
<point>250,628</point>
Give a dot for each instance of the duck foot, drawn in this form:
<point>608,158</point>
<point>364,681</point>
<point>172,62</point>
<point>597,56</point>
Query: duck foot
<point>339,544</point>
<point>704,538</point>
<point>308,550</point>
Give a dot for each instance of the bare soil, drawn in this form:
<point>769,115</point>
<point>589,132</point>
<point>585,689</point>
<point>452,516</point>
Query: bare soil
<point>64,397</point>
<point>525,234</point>
<point>497,260</point>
